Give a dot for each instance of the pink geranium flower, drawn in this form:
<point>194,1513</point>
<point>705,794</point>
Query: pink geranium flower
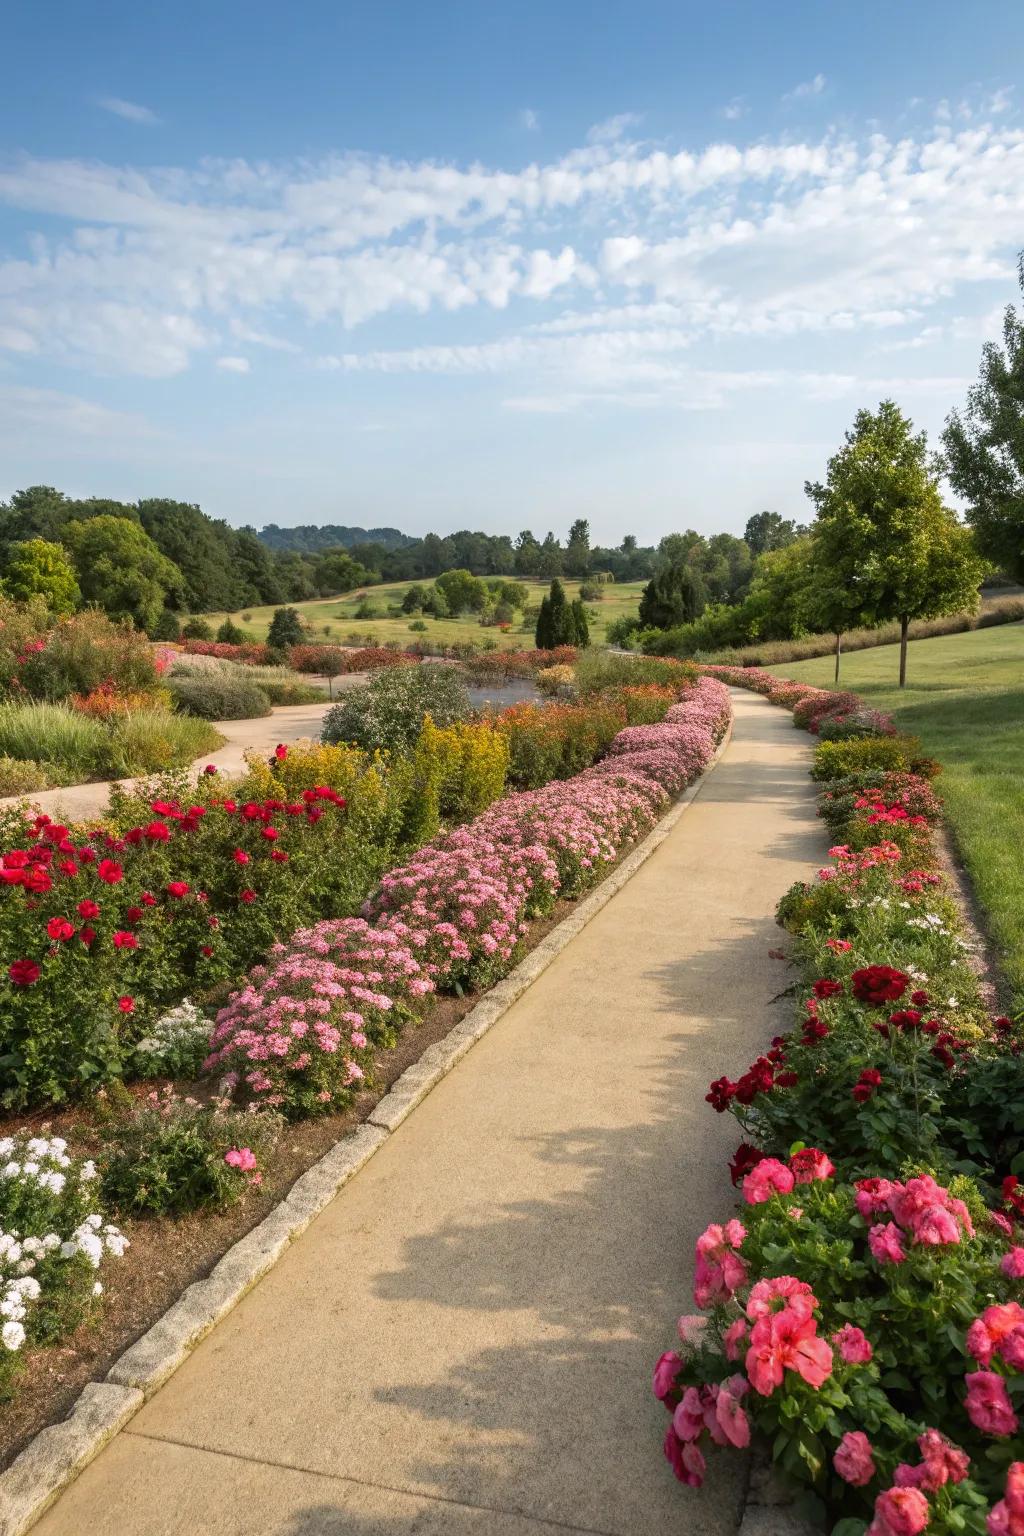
<point>988,1404</point>
<point>853,1345</point>
<point>769,1177</point>
<point>886,1244</point>
<point>899,1512</point>
<point>809,1164</point>
<point>853,1459</point>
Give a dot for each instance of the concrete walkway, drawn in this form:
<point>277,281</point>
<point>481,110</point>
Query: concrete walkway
<point>463,1341</point>
<point>290,722</point>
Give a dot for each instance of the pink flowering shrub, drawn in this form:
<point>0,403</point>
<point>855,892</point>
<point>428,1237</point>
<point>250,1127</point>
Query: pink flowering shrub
<point>846,1324</point>
<point>298,1034</point>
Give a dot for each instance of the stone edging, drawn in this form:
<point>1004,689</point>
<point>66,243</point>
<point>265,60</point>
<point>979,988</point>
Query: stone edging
<point>57,1454</point>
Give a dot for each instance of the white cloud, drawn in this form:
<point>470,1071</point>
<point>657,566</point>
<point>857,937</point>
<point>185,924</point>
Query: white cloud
<point>614,129</point>
<point>24,410</point>
<point>529,119</point>
<point>806,88</point>
<point>131,111</point>
<point>143,271</point>
<point>233,364</point>
<point>735,109</point>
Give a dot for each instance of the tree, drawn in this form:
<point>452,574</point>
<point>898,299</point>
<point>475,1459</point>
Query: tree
<point>37,568</point>
<point>770,530</point>
<point>984,449</point>
<point>551,557</point>
<point>674,595</point>
<point>577,552</point>
<point>230,634</point>
<point>412,602</point>
<point>285,629</point>
<point>776,607</point>
<point>463,591</point>
<point>527,554</point>
<point>121,570</point>
<point>556,622</point>
<point>580,626</point>
<point>885,547</point>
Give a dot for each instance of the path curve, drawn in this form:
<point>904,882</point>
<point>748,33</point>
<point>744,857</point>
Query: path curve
<point>462,1342</point>
<point>288,723</point>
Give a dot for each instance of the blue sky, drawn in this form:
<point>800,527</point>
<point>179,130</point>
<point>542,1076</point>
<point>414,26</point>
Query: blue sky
<point>490,265</point>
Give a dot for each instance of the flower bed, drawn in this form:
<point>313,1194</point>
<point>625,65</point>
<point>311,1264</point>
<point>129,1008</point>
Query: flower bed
<point>864,1312</point>
<point>296,1035</point>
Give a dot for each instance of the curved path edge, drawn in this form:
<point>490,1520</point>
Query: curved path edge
<point>57,1454</point>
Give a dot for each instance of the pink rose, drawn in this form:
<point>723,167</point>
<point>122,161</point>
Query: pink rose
<point>988,1404</point>
<point>899,1512</point>
<point>1012,1264</point>
<point>731,1417</point>
<point>733,1338</point>
<point>853,1459</point>
<point>686,1460</point>
<point>241,1158</point>
<point>665,1373</point>
<point>809,1164</point>
<point>1007,1517</point>
<point>944,1462</point>
<point>769,1177</point>
<point>853,1345</point>
<point>886,1243</point>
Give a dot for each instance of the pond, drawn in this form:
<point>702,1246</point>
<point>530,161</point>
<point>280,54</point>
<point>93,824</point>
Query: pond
<point>500,695</point>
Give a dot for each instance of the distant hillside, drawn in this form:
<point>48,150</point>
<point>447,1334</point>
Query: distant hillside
<point>309,539</point>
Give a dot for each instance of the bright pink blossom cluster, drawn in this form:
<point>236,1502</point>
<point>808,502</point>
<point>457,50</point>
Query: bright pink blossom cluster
<point>920,1209</point>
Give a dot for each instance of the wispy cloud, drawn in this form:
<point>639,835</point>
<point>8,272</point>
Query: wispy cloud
<point>613,129</point>
<point>131,111</point>
<point>529,119</point>
<point>806,88</point>
<point>735,109</point>
<point>233,364</point>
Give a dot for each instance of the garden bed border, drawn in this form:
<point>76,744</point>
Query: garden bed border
<point>57,1454</point>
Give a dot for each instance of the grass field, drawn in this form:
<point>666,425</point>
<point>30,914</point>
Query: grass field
<point>333,618</point>
<point>965,700</point>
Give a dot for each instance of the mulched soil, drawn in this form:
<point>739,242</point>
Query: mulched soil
<point>167,1255</point>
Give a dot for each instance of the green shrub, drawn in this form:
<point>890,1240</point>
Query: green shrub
<point>84,652</point>
<point>889,754</point>
<point>597,670</point>
<point>389,711</point>
<point>167,627</point>
<point>418,626</point>
<point>197,629</point>
<point>218,696</point>
<point>170,1155</point>
<point>176,1045</point>
<point>22,777</point>
<point>282,686</point>
<point>230,634</point>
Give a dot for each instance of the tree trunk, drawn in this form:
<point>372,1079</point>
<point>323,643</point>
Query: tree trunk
<point>839,647</point>
<point>904,627</point>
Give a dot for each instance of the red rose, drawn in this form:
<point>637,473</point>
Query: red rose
<point>60,929</point>
<point>827,988</point>
<point>206,950</point>
<point>178,888</point>
<point>722,1090</point>
<point>110,872</point>
<point>16,859</point>
<point>126,1004</point>
<point>745,1158</point>
<point>37,880</point>
<point>279,856</point>
<point>280,752</point>
<point>87,935</point>
<point>68,867</point>
<point>134,836</point>
<point>270,833</point>
<point>247,896</point>
<point>877,984</point>
<point>133,915</point>
<point>240,856</point>
<point>23,972</point>
<point>158,832</point>
<point>209,769</point>
<point>124,940</point>
<point>148,899</point>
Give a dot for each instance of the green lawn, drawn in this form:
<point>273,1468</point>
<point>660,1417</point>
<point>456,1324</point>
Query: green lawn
<point>333,618</point>
<point>965,699</point>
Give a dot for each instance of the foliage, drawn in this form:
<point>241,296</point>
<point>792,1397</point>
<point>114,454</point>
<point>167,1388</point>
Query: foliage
<point>767,531</point>
<point>675,595</point>
<point>885,754</point>
<point>20,776</point>
<point>388,712</point>
<point>121,570</point>
<point>37,568</point>
<point>883,545</point>
<point>984,450</point>
<point>53,1240</point>
<point>462,590</point>
<point>170,1155</point>
<point>285,629</point>
<point>81,653</point>
<point>176,1046</point>
<point>230,634</point>
<point>217,695</point>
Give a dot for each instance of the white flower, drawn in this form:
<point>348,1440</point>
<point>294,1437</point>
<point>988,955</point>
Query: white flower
<point>30,1167</point>
<point>10,1170</point>
<point>97,1289</point>
<point>12,1335</point>
<point>68,1250</point>
<point>87,1171</point>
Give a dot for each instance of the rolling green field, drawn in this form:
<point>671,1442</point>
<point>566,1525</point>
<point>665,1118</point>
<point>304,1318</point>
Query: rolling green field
<point>333,618</point>
<point>965,700</point>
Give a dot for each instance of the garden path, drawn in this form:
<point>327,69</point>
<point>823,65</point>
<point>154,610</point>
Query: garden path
<point>463,1340</point>
<point>288,723</point>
